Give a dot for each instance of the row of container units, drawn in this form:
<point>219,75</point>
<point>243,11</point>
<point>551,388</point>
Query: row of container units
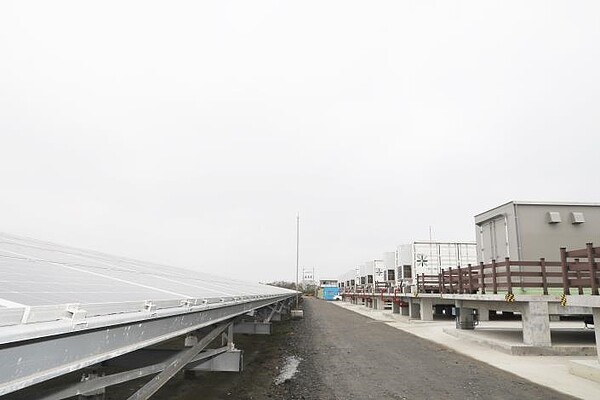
<point>400,268</point>
<point>519,230</point>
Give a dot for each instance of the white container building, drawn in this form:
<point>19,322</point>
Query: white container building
<point>430,258</point>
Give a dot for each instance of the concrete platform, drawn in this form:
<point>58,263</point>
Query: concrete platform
<point>548,370</point>
<point>565,341</point>
<point>588,369</point>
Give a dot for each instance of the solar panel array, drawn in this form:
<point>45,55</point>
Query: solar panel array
<point>37,273</point>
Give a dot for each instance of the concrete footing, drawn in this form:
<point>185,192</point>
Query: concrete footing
<point>405,310</point>
<point>230,361</point>
<point>253,327</point>
<point>466,318</point>
<point>414,309</point>
<point>426,309</point>
<point>497,340</point>
<point>483,313</point>
<point>536,324</point>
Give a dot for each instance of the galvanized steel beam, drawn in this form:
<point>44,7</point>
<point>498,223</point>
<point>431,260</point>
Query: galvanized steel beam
<point>27,363</point>
<point>175,365</point>
<point>121,377</point>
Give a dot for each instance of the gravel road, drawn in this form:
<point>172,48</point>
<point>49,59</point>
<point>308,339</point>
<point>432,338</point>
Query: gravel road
<point>349,356</point>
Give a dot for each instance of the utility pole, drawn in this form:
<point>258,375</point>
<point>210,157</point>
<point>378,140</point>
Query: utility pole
<point>297,255</point>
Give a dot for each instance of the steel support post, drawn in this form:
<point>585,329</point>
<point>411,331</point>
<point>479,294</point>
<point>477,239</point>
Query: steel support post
<point>227,338</point>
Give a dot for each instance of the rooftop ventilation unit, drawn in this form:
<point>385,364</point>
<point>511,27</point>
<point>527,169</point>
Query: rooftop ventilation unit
<point>553,217</point>
<point>577,218</point>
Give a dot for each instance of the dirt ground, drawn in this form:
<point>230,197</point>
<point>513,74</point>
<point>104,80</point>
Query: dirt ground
<point>343,355</point>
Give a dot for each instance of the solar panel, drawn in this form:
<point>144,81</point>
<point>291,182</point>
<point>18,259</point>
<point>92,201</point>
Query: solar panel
<point>42,274</point>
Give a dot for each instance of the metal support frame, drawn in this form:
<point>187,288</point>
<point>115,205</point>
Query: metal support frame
<point>101,382</point>
<point>261,325</point>
<point>21,366</point>
<point>167,363</point>
<point>227,338</point>
<point>275,311</point>
<point>177,364</point>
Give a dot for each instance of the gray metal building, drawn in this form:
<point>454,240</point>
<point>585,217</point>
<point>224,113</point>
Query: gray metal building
<point>524,230</point>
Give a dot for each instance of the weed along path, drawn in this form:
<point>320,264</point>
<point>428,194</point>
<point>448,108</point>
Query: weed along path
<point>350,356</point>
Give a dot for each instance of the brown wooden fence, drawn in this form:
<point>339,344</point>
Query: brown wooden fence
<point>576,270</point>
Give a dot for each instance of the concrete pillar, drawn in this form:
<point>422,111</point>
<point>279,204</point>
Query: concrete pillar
<point>465,318</point>
<point>395,308</point>
<point>484,313</point>
<point>380,304</point>
<point>596,312</point>
<point>426,309</point>
<point>536,324</point>
<point>413,309</point>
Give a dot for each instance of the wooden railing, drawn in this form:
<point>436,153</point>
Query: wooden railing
<point>577,269</point>
<point>580,274</point>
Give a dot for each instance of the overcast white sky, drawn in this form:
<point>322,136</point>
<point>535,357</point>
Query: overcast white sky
<point>191,133</point>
